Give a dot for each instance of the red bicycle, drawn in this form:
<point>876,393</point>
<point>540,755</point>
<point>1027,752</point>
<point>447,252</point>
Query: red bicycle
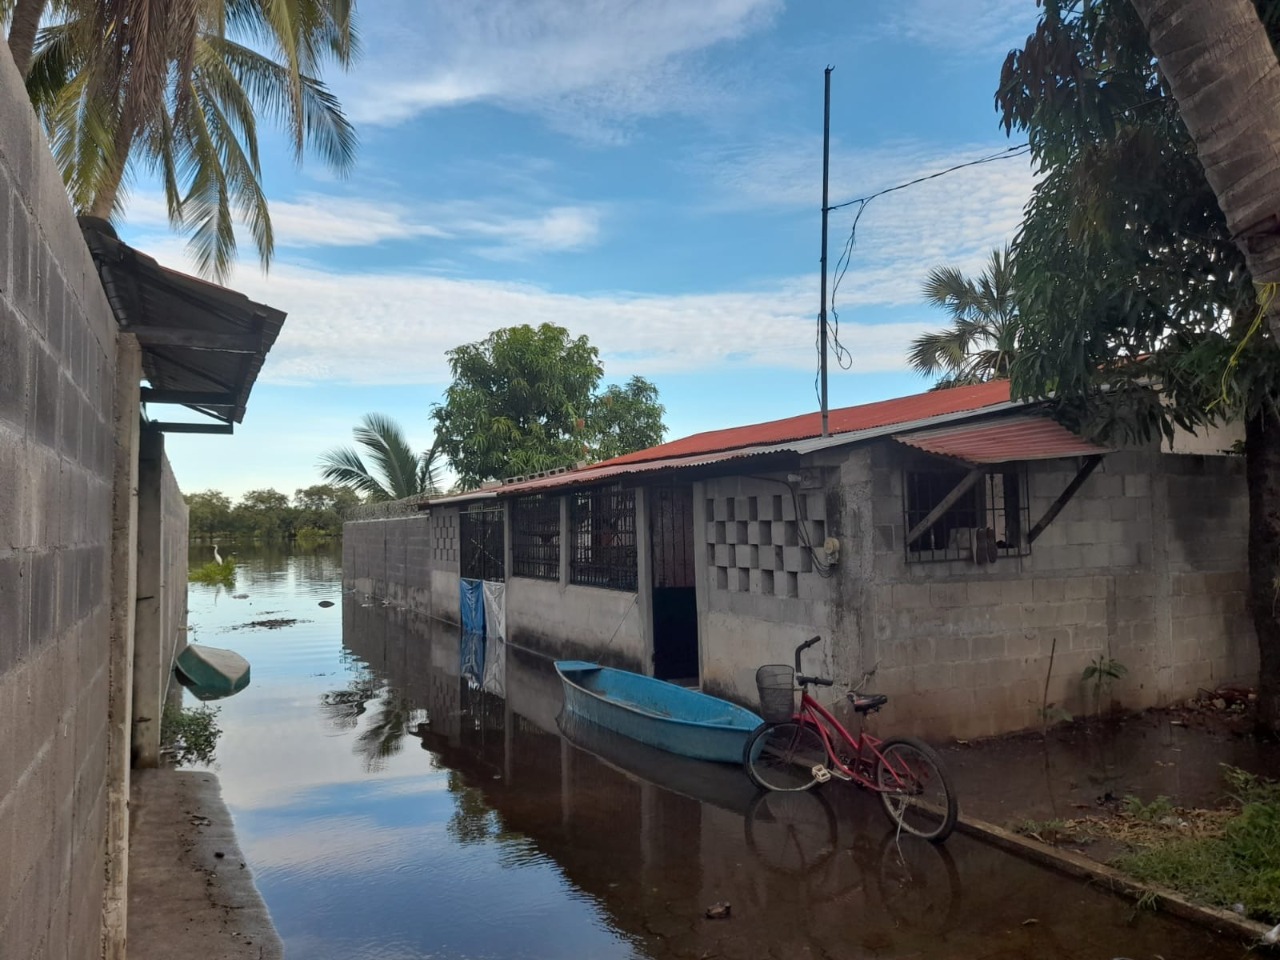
<point>794,749</point>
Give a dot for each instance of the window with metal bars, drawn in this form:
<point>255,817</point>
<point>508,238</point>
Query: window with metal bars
<point>603,522</point>
<point>987,521</point>
<point>483,543</point>
<point>535,537</point>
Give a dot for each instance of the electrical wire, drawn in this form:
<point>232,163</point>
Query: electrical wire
<point>843,357</point>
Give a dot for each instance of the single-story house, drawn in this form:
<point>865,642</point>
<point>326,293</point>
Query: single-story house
<point>963,548</point>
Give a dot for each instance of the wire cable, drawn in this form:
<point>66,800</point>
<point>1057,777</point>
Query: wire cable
<point>843,357</point>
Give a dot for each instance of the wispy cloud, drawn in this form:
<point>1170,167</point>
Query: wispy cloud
<point>955,219</point>
<point>315,220</point>
<point>962,28</point>
<point>578,64</point>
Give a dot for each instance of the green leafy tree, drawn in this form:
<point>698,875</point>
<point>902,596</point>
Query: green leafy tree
<point>524,400</point>
<point>264,515</point>
<point>323,507</point>
<point>208,514</point>
<point>1136,302</point>
<point>395,471</point>
<point>982,340</point>
<point>177,87</point>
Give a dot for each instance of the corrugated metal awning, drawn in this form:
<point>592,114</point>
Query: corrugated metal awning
<point>1003,440</point>
<point>202,345</point>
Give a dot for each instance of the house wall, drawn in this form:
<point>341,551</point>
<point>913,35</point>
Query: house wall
<point>60,470</point>
<point>410,561</point>
<point>1146,565</point>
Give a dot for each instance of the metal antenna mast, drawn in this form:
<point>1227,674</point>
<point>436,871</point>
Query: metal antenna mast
<point>822,311</point>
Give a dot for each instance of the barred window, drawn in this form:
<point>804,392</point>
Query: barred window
<point>535,537</point>
<point>988,520</point>
<point>484,545</point>
<point>603,522</point>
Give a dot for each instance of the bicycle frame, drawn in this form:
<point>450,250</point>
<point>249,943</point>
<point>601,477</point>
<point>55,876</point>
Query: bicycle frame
<point>864,747</point>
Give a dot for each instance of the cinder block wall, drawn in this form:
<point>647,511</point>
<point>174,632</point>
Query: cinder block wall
<point>174,539</point>
<point>57,367</point>
<point>1146,564</point>
<point>409,561</point>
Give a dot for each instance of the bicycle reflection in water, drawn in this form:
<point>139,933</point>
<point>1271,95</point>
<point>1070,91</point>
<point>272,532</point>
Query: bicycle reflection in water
<point>796,837</point>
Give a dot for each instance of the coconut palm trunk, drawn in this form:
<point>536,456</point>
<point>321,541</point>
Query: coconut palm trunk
<point>1220,66</point>
<point>22,32</point>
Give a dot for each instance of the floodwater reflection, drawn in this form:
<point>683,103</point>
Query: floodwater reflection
<point>392,811</point>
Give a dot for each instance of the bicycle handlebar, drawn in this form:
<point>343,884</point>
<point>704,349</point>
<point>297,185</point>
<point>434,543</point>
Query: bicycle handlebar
<point>818,680</point>
<point>804,646</point>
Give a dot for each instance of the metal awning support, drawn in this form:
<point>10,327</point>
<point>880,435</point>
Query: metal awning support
<point>947,502</point>
<point>174,427</point>
<point>1055,508</point>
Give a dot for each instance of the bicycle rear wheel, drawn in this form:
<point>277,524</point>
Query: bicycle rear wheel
<point>915,789</point>
<point>784,756</point>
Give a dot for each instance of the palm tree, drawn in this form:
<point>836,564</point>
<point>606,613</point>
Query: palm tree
<point>1220,65</point>
<point>176,87</point>
<point>982,340</point>
<point>400,472</point>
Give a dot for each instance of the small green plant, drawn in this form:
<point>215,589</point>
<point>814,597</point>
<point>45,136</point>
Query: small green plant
<point>189,735</point>
<point>215,574</point>
<point>1152,812</point>
<point>1102,672</point>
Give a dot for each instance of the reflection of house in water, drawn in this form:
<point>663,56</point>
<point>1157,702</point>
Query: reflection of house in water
<point>653,841</point>
<point>954,540</point>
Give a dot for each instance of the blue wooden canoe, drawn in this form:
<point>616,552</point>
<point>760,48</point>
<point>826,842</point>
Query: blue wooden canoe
<point>655,712</point>
<point>212,673</point>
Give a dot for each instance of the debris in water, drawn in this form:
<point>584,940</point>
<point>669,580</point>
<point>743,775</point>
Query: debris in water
<point>275,624</point>
<point>239,596</point>
<point>718,911</point>
<point>326,603</point>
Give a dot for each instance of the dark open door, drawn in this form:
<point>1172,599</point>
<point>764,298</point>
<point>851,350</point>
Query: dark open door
<point>675,604</point>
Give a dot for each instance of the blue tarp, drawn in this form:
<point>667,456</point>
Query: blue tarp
<point>471,601</point>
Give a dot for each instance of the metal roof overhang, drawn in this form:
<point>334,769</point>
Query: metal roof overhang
<point>202,345</point>
<point>1003,440</point>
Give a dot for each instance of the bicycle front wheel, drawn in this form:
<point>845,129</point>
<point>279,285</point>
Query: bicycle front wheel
<point>915,789</point>
<point>784,756</point>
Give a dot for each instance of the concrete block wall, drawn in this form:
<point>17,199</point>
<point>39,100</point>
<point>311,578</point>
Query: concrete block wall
<point>57,370</point>
<point>1146,564</point>
<point>395,559</point>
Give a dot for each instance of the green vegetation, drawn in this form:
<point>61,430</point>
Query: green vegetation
<point>215,574</point>
<point>1152,812</point>
<point>189,735</point>
<point>180,89</point>
<point>526,399</point>
<point>1102,672</point>
<point>397,472</point>
<point>1240,866</point>
<point>1137,310</point>
<point>982,340</point>
<point>315,513</point>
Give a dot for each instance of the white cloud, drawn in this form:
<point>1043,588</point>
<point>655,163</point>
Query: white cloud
<point>954,219</point>
<point>962,28</point>
<point>316,220</point>
<point>610,59</point>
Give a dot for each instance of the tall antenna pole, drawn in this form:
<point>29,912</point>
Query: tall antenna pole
<point>822,311</point>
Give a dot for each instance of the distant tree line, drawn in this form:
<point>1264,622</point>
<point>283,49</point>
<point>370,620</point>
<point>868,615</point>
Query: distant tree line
<point>314,513</point>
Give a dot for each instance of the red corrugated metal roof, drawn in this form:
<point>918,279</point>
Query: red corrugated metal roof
<point>866,416</point>
<point>1000,441</point>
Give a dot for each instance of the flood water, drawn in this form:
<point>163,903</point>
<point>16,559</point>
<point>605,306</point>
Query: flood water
<point>391,812</point>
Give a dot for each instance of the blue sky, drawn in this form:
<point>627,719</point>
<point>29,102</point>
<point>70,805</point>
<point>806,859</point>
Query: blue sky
<point>645,172</point>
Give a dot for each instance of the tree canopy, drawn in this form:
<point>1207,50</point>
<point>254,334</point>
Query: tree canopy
<point>315,512</point>
<point>176,88</point>
<point>395,471</point>
<point>525,399</point>
<point>1138,311</point>
<point>982,340</point>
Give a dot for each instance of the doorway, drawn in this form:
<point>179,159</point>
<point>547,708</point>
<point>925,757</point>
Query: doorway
<point>675,601</point>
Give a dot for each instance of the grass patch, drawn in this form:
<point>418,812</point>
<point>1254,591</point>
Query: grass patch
<point>1239,865</point>
<point>215,574</point>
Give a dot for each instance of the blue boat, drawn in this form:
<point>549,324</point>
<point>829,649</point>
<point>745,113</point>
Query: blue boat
<point>655,712</point>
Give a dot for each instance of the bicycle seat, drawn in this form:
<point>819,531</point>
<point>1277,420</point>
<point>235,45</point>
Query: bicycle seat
<point>866,702</point>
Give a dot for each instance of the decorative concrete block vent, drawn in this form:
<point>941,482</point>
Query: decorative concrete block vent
<point>756,544</point>
<point>444,535</point>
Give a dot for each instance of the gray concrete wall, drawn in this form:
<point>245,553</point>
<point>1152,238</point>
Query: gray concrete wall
<point>1146,564</point>
<point>57,368</point>
<point>59,365</point>
<point>409,561</point>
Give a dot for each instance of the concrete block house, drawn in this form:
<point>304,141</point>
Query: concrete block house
<point>954,542</point>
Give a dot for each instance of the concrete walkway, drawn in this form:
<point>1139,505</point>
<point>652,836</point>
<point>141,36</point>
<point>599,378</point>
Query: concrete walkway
<point>191,894</point>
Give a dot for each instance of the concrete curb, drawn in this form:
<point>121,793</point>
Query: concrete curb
<point>1078,865</point>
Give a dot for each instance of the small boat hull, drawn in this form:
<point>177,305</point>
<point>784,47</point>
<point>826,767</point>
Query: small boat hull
<point>655,712</point>
<point>212,673</point>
